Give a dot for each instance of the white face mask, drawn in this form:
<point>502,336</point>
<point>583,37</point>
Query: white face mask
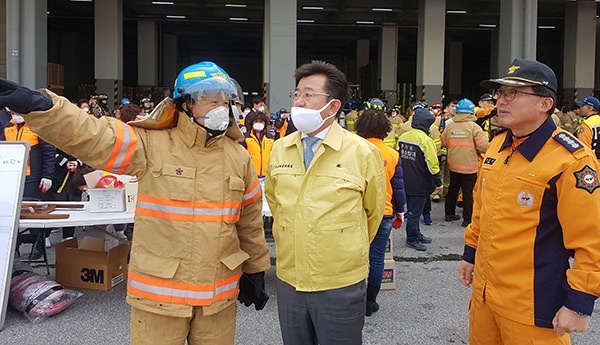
<point>246,112</point>
<point>18,118</point>
<point>217,119</point>
<point>261,109</point>
<point>394,113</point>
<point>85,109</point>
<point>258,126</point>
<point>309,120</point>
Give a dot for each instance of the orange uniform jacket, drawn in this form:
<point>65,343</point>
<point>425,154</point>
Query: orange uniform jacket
<point>534,207</point>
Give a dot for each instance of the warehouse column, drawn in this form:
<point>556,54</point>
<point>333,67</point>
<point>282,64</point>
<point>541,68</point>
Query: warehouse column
<point>388,55</point>
<point>280,52</point>
<point>108,48</point>
<point>147,57</point>
<point>430,52</point>
<point>580,50</point>
<point>518,32</point>
<point>26,41</point>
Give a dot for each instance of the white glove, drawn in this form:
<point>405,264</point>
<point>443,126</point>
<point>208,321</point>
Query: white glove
<point>45,184</point>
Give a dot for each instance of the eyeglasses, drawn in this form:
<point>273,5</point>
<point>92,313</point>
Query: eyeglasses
<point>307,95</point>
<point>510,94</point>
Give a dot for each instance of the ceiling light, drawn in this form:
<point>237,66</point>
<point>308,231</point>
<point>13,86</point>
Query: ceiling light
<point>364,22</point>
<point>487,25</point>
<point>319,8</point>
<point>163,3</point>
<point>239,19</point>
<point>381,9</point>
<point>236,5</point>
<point>456,12</point>
<point>305,20</point>
<point>546,27</point>
<point>176,17</point>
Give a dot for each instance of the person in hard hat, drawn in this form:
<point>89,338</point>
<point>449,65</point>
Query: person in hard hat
<point>351,118</point>
<point>198,222</point>
<point>101,108</point>
<point>589,130</point>
<point>465,141</point>
<point>146,105</point>
<point>124,101</point>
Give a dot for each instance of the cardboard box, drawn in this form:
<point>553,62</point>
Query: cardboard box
<point>388,281</point>
<point>131,192</point>
<point>111,199</point>
<point>107,199</point>
<point>89,266</point>
<point>389,245</point>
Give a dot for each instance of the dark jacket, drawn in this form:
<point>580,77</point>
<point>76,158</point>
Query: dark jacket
<point>419,156</point>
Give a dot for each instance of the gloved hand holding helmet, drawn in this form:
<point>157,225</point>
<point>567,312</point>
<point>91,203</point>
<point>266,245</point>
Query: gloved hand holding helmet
<point>21,99</point>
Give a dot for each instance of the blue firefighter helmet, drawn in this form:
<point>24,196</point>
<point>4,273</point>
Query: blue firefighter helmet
<point>205,79</point>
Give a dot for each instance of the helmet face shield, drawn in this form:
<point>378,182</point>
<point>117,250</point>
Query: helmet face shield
<point>215,87</point>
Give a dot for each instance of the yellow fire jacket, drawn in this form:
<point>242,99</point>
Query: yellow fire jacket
<point>326,217</point>
<point>465,140</point>
<point>533,208</point>
<point>589,133</point>
<point>198,221</point>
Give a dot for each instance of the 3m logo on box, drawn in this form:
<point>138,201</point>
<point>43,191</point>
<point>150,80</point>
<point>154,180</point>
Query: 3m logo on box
<point>90,275</point>
<point>90,266</point>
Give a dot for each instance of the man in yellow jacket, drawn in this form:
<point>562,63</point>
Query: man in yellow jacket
<point>326,189</point>
<point>198,221</point>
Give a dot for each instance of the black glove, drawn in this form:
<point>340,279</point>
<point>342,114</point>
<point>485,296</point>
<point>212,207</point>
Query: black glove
<point>21,99</point>
<point>252,290</point>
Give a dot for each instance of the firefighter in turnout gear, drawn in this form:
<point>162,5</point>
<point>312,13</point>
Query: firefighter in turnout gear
<point>198,221</point>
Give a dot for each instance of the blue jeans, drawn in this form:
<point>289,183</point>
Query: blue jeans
<point>414,205</point>
<point>377,252</point>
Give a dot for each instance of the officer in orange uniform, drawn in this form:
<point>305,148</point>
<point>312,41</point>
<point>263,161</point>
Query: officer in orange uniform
<point>534,181</point>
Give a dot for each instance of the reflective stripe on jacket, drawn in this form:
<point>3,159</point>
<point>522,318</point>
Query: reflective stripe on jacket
<point>419,163</point>
<point>465,140</point>
<point>589,133</point>
<point>198,224</point>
